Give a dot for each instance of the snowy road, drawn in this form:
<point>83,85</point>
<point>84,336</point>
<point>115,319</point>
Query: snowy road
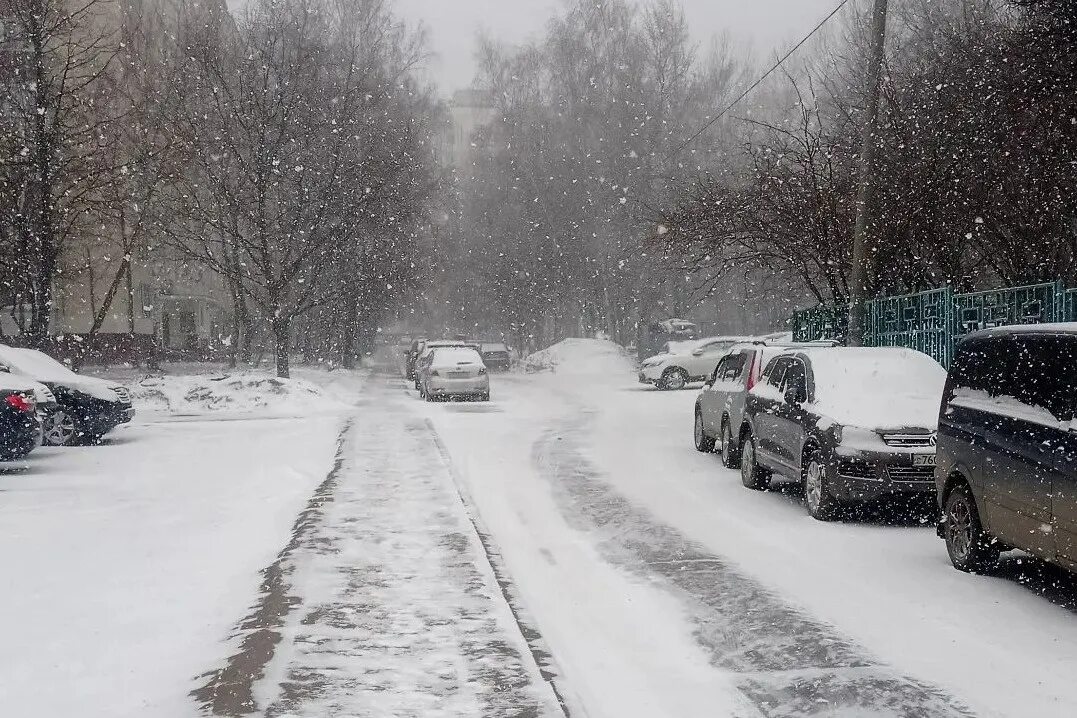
<point>560,551</point>
<point>663,587</point>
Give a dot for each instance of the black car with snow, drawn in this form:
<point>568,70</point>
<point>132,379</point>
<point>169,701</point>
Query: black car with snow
<point>851,424</point>
<point>87,407</point>
<point>20,429</point>
<point>496,356</point>
<point>1007,474</point>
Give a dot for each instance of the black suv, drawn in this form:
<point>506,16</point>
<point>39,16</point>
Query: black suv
<point>851,424</point>
<point>1007,447</point>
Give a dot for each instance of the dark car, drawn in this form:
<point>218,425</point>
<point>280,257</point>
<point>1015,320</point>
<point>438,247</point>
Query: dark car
<point>87,407</point>
<point>20,430</point>
<point>496,356</point>
<point>852,425</point>
<point>1007,473</point>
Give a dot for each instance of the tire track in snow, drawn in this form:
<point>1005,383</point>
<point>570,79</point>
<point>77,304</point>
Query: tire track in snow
<point>788,664</point>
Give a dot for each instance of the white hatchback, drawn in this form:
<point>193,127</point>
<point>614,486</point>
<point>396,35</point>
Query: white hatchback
<point>687,362</point>
<point>453,372</point>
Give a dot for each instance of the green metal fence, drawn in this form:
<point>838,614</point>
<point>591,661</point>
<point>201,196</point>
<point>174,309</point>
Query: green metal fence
<point>1069,305</point>
<point>821,322</point>
<point>917,321</point>
<point>933,321</point>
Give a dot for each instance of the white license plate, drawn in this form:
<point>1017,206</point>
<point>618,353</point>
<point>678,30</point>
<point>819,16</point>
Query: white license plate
<point>458,375</point>
<point>923,460</point>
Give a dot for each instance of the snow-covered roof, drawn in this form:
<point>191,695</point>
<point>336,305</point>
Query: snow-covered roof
<point>1055,328</point>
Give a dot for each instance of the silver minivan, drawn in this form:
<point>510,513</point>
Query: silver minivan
<point>720,404</point>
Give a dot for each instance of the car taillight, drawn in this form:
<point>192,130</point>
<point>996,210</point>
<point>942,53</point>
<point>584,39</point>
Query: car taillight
<point>751,370</point>
<point>21,402</point>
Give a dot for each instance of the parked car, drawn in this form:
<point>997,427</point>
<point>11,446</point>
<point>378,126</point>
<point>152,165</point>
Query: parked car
<point>454,371</point>
<point>20,427</point>
<point>1007,447</point>
<point>689,363</point>
<point>851,424</point>
<point>429,346</point>
<point>87,407</point>
<point>496,356</point>
<point>720,405</point>
<point>658,334</point>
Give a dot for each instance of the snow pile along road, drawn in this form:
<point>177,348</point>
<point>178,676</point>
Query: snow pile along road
<point>598,357</point>
<point>242,392</point>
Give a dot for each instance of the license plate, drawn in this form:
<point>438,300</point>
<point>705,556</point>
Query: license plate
<point>458,375</point>
<point>923,460</point>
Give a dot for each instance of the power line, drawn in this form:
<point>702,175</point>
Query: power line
<point>760,81</point>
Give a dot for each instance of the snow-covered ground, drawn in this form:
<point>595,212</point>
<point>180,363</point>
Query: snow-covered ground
<point>332,546</point>
<point>126,565</point>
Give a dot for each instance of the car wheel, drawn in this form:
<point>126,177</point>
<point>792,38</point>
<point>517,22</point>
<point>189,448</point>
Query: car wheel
<point>822,506</point>
<point>752,475</point>
<point>704,443</point>
<point>673,379</point>
<point>970,548</point>
<point>60,429</point>
<point>730,459</point>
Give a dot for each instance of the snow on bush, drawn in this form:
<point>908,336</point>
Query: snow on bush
<point>581,356</point>
<point>242,391</point>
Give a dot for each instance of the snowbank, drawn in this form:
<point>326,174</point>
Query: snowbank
<point>242,392</point>
<point>590,357</point>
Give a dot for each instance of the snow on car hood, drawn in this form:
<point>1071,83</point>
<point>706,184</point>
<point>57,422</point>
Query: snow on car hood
<point>877,388</point>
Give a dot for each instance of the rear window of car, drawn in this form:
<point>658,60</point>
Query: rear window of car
<point>1011,375</point>
<point>456,355</point>
<point>730,368</point>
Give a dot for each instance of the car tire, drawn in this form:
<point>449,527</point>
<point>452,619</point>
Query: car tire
<point>484,397</point>
<point>673,379</point>
<point>60,429</point>
<point>704,443</point>
<point>970,548</point>
<point>730,456</point>
<point>752,475</point>
<point>821,504</point>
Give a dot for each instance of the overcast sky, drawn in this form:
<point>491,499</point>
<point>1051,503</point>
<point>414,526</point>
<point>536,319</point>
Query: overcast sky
<point>452,25</point>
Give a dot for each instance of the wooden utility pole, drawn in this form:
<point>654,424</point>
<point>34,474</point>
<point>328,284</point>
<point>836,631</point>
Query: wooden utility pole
<point>862,281</point>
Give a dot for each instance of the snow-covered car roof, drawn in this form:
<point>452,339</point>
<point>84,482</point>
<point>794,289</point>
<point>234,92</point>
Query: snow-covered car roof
<point>15,382</point>
<point>876,387</point>
<point>36,364</point>
<point>42,368</point>
<point>1055,328</point>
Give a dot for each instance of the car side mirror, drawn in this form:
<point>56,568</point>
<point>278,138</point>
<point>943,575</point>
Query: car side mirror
<point>4,369</point>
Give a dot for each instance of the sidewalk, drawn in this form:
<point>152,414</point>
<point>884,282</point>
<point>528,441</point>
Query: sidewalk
<point>397,611</point>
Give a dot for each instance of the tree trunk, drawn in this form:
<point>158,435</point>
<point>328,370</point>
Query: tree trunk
<point>282,344</point>
<point>351,325</point>
<point>41,309</point>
